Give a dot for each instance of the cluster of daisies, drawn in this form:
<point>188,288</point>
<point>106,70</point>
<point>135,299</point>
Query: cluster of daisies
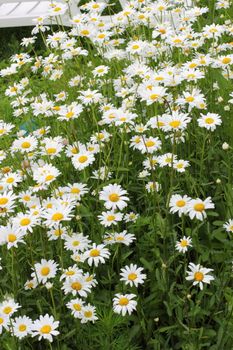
<point>118,100</point>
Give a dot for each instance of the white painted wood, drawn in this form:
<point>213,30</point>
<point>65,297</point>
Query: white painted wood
<point>20,13</point>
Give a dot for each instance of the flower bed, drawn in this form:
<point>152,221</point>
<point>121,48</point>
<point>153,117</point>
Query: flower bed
<point>116,181</point>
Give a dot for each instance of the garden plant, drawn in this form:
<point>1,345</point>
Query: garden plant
<point>116,193</point>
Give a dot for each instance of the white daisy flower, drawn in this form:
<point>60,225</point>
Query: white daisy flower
<point>45,327</point>
<point>132,275</point>
<point>199,275</point>
<point>97,254</point>
<point>114,197</point>
<point>197,208</point>
<point>183,244</point>
<point>123,303</point>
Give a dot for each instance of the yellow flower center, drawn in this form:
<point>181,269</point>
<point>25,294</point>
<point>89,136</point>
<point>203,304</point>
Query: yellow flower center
<point>49,178</point>
<point>69,114</point>
<point>1,320</point>
<point>77,307</point>
<point>70,273</point>
<point>123,301</point>
<point>184,243</point>
<point>84,32</point>
<point>180,203</point>
<point>149,143</point>
<point>7,310</point>
<point>76,243</point>
<point>135,47</point>
<point>175,124</point>
<point>51,150</point>
<point>26,198</point>
<point>88,314</point>
<point>114,197</point>
<point>120,238</point>
<point>45,271</point>
<point>154,97</point>
<point>189,99</point>
<point>10,180</point>
<point>57,216</point>
<point>209,120</point>
<point>25,222</point>
<point>198,276</point>
<point>199,207</point>
<point>3,201</point>
<point>82,159</point>
<point>22,327</point>
<point>111,217</point>
<point>94,253</point>
<point>132,276</point>
<point>226,60</point>
<point>76,286</point>
<point>46,329</point>
<point>75,190</point>
<point>12,238</point>
<point>26,144</point>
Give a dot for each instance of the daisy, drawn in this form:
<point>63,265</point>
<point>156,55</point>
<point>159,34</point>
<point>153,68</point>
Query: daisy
<point>77,190</point>
<point>4,322</point>
<point>57,214</point>
<point>109,218</point>
<point>153,186</point>
<point>209,121</point>
<point>76,285</point>
<point>152,95</point>
<point>183,244</point>
<point>97,254</point>
<point>45,327</point>
<point>199,275</point>
<point>22,326</point>
<point>71,272</point>
<point>81,160</point>
<point>24,144</point>
<point>11,180</point>
<point>30,284</point>
<point>88,313</point>
<point>44,270</point>
<point>197,208</point>
<point>131,217</point>
<point>11,236</point>
<point>179,204</point>
<point>132,275</point>
<point>77,242</point>
<point>114,197</point>
<point>8,307</point>
<point>75,305</point>
<point>229,225</point>
<point>25,222</point>
<point>123,303</point>
<point>181,165</point>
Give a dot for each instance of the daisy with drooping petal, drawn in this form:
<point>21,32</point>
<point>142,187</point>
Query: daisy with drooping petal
<point>123,303</point>
<point>199,275</point>
<point>132,275</point>
<point>97,254</point>
<point>197,208</point>
<point>45,327</point>
<point>114,197</point>
<point>183,244</point>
